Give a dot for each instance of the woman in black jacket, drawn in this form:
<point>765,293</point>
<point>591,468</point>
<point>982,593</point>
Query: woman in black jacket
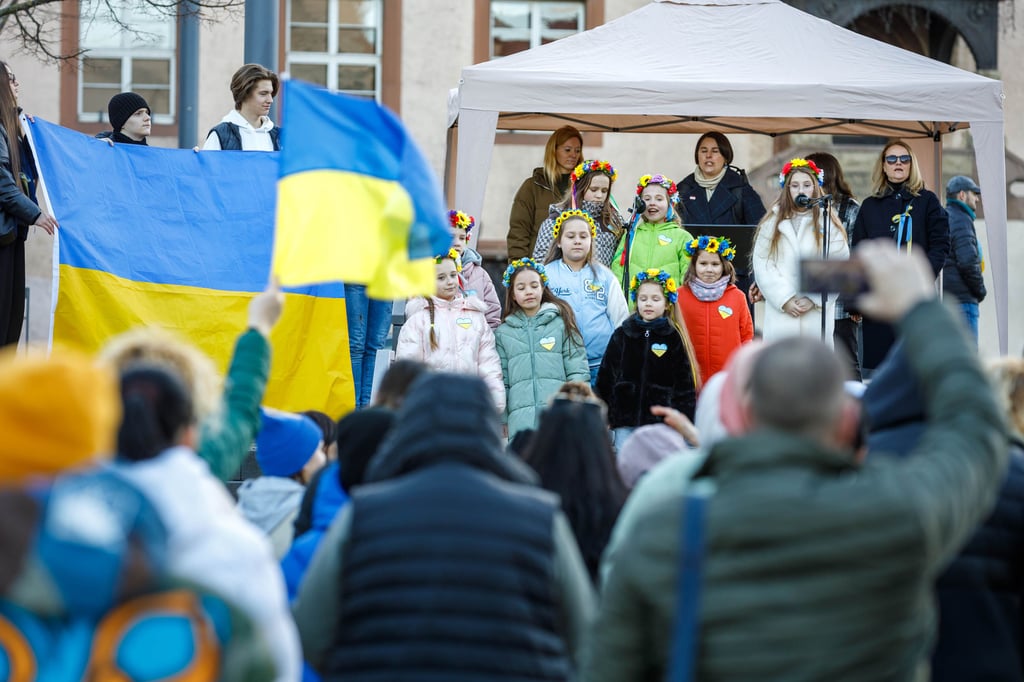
<point>901,209</point>
<point>17,213</point>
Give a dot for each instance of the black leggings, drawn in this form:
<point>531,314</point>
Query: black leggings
<point>12,292</point>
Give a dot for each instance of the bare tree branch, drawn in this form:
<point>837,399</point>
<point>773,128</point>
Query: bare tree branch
<point>35,26</point>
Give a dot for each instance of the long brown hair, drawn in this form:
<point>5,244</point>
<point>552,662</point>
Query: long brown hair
<point>9,120</point>
<point>546,296</point>
<point>785,208</point>
<point>835,181</point>
<point>609,218</point>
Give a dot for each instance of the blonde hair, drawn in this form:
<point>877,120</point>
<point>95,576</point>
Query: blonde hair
<point>552,171</point>
<point>1008,376</point>
<point>161,347</point>
<point>880,184</point>
<point>785,208</point>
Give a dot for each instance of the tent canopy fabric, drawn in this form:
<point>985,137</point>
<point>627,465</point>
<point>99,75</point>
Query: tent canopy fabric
<point>736,66</point>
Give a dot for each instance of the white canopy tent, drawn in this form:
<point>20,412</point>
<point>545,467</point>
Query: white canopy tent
<point>739,66</point>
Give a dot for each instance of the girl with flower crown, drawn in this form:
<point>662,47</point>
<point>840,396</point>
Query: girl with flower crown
<point>788,233</point>
<point>589,287</point>
<point>649,360</point>
<point>475,280</point>
<point>658,242</point>
<point>712,306</point>
<point>538,342</point>
<point>590,190</point>
<point>448,332</point>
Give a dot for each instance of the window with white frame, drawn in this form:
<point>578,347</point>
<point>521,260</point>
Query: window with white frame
<point>518,25</point>
<point>337,44</point>
<point>127,46</point>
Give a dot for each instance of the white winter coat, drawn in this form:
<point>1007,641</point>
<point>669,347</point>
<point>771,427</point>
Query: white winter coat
<point>465,343</point>
<point>211,545</point>
<point>778,276</point>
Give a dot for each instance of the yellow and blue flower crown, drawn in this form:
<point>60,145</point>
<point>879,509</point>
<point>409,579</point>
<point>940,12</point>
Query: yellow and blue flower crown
<point>454,255</point>
<point>573,213</point>
<point>798,163</point>
<point>654,275</point>
<point>720,245</point>
<point>521,263</point>
<point>590,166</point>
<point>461,221</point>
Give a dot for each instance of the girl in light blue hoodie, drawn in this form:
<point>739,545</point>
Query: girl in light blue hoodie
<point>590,289</point>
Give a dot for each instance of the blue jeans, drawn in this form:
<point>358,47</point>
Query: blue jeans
<point>971,315</point>
<point>368,324</point>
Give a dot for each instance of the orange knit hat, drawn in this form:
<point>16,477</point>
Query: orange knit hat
<point>55,413</point>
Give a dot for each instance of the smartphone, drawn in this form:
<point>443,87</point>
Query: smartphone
<point>843,277</point>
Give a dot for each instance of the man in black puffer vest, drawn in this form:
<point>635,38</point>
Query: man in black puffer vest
<point>448,564</point>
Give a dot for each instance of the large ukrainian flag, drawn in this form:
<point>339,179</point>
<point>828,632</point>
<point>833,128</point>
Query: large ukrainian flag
<point>357,201</point>
<point>184,240</point>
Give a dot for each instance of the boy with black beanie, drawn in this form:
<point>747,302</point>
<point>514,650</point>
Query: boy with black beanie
<point>130,117</point>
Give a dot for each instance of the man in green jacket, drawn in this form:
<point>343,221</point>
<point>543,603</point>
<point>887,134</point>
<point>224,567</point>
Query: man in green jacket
<point>816,567</point>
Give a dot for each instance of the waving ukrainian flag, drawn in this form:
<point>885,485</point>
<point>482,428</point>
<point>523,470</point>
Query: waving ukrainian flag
<point>183,240</point>
<point>356,201</point>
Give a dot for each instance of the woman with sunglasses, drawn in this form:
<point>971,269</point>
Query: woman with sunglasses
<point>901,209</point>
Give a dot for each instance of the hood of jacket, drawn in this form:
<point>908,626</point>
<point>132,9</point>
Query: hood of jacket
<point>446,418</point>
<point>419,303</point>
<point>235,116</point>
<point>266,501</point>
<point>470,256</point>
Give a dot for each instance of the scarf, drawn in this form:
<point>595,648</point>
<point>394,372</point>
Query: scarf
<point>709,292</point>
<point>709,184</point>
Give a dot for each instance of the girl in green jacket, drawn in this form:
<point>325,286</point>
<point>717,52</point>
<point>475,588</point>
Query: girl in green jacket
<point>658,242</point>
<point>538,342</point>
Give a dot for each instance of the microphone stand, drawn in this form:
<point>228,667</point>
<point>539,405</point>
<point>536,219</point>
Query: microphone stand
<point>637,209</point>
<point>826,210</point>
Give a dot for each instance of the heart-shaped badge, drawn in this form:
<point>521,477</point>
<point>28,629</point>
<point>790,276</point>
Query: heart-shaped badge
<point>725,311</point>
<point>664,239</point>
<point>464,322</point>
<point>547,343</point>
<point>659,349</point>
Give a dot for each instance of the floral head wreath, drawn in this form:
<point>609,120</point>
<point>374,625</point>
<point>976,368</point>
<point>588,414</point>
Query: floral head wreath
<point>658,179</point>
<point>454,255</point>
<point>573,213</point>
<point>799,164</point>
<point>720,245</point>
<point>591,166</point>
<point>519,264</point>
<point>654,275</point>
<point>461,221</point>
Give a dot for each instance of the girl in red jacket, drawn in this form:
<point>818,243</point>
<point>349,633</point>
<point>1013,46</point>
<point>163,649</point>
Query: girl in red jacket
<point>713,308</point>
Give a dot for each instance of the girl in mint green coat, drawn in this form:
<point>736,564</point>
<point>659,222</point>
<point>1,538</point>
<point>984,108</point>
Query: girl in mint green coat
<point>538,343</point>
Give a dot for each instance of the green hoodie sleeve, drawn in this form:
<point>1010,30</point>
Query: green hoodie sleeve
<point>225,438</point>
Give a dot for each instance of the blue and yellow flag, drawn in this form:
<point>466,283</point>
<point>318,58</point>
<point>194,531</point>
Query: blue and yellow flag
<point>356,199</point>
<point>183,240</point>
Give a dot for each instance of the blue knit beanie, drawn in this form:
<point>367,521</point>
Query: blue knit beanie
<point>286,442</point>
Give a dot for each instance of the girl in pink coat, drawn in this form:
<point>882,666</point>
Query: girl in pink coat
<point>449,332</point>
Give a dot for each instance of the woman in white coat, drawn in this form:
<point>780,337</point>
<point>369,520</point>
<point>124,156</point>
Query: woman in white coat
<point>788,233</point>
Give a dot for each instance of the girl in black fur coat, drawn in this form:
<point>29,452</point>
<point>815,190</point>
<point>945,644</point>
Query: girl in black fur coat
<point>649,360</point>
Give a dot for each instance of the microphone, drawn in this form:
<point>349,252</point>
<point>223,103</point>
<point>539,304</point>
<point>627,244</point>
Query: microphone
<point>804,201</point>
<point>639,206</point>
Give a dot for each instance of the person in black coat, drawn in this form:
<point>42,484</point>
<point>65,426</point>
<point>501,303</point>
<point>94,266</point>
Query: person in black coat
<point>448,564</point>
<point>901,209</point>
<point>980,595</point>
<point>961,277</point>
<point>718,193</point>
